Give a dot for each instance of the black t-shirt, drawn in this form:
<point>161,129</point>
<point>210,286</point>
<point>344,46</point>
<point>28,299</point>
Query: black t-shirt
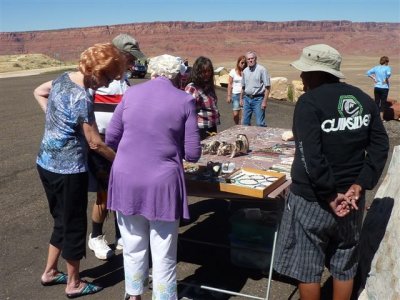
<point>340,140</point>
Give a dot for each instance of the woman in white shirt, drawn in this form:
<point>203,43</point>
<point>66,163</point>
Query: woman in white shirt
<point>235,87</point>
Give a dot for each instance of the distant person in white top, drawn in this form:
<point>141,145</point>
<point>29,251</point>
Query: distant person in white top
<point>235,87</point>
<point>380,74</point>
<point>106,100</point>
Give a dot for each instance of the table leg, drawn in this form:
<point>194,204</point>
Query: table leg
<point>271,265</point>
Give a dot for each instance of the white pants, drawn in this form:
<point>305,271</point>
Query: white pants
<point>137,234</point>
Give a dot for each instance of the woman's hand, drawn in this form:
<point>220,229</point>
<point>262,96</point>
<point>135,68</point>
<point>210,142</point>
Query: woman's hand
<point>95,142</point>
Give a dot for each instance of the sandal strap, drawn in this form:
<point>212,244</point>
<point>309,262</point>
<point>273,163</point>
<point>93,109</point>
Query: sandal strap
<point>61,278</point>
<point>90,288</point>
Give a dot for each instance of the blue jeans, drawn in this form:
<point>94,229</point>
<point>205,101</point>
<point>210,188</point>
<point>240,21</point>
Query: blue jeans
<point>253,105</point>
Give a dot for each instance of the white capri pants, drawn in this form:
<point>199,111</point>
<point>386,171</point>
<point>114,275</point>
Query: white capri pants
<point>137,234</point>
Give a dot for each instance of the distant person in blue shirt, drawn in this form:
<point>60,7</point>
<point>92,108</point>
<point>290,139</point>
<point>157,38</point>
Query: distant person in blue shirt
<point>380,74</point>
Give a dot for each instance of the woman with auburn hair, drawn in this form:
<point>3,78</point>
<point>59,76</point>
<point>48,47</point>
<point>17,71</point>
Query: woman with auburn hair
<point>201,86</point>
<point>235,87</point>
<point>70,128</point>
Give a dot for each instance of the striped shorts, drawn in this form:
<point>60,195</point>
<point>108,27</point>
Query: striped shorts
<point>311,236</point>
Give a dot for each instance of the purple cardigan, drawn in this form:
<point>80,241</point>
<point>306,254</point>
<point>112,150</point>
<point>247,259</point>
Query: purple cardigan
<point>153,129</point>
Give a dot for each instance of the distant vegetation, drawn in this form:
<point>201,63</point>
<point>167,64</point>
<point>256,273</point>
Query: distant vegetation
<point>11,63</point>
<point>290,93</point>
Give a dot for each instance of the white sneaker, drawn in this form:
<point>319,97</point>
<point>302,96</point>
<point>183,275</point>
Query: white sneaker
<point>120,245</point>
<point>100,247</point>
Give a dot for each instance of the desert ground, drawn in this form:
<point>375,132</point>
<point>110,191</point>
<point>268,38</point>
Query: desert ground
<point>354,68</point>
<point>26,223</point>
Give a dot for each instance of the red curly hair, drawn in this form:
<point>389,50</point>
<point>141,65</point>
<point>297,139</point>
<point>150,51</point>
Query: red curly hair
<point>102,61</point>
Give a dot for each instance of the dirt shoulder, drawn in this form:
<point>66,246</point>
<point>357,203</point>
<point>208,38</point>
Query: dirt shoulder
<point>31,72</point>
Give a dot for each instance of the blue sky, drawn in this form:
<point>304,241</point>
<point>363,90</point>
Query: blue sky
<point>28,15</point>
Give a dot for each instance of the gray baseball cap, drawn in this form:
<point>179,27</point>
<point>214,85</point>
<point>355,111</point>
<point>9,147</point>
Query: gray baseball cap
<point>126,43</point>
<point>319,57</point>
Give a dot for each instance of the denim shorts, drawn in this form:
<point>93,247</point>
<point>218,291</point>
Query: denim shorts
<point>236,102</point>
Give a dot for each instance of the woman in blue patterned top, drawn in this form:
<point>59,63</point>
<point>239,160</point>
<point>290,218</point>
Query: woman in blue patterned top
<point>70,128</point>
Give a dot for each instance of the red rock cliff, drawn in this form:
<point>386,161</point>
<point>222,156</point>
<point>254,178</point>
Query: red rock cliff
<point>218,40</point>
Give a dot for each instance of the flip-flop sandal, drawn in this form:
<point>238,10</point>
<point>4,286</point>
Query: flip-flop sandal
<point>88,289</point>
<point>60,278</point>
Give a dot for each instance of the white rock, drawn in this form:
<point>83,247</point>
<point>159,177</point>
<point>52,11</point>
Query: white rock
<point>279,88</point>
<point>297,89</point>
<point>384,277</point>
<point>288,136</point>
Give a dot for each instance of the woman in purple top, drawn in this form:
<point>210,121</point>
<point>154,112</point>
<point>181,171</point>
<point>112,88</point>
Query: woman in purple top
<point>153,129</point>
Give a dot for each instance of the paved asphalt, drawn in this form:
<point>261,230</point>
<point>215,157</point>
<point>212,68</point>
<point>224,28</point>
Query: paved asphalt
<point>26,223</point>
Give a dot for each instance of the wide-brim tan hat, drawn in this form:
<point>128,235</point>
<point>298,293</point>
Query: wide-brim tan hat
<point>126,43</point>
<point>320,57</point>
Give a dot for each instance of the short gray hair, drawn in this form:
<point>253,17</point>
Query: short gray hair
<point>251,52</point>
<point>166,65</point>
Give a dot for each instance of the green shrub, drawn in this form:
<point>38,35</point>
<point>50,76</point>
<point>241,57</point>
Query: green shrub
<point>290,93</point>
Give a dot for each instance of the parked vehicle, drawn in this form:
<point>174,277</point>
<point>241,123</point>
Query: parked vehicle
<point>138,70</point>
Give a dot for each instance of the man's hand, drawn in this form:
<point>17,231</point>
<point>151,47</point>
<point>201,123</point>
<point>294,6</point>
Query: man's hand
<point>353,194</point>
<point>263,104</point>
<point>340,205</point>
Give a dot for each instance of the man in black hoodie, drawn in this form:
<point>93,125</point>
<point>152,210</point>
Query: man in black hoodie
<point>341,150</point>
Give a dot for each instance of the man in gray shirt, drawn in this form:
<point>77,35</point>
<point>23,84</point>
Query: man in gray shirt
<point>255,90</point>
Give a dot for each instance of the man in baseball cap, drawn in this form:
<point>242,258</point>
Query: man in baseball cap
<point>126,43</point>
<point>341,150</point>
<point>105,101</point>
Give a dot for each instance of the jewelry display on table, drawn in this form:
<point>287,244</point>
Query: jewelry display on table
<point>252,180</point>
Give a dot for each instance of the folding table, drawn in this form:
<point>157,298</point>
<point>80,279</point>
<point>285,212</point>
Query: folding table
<point>267,151</point>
